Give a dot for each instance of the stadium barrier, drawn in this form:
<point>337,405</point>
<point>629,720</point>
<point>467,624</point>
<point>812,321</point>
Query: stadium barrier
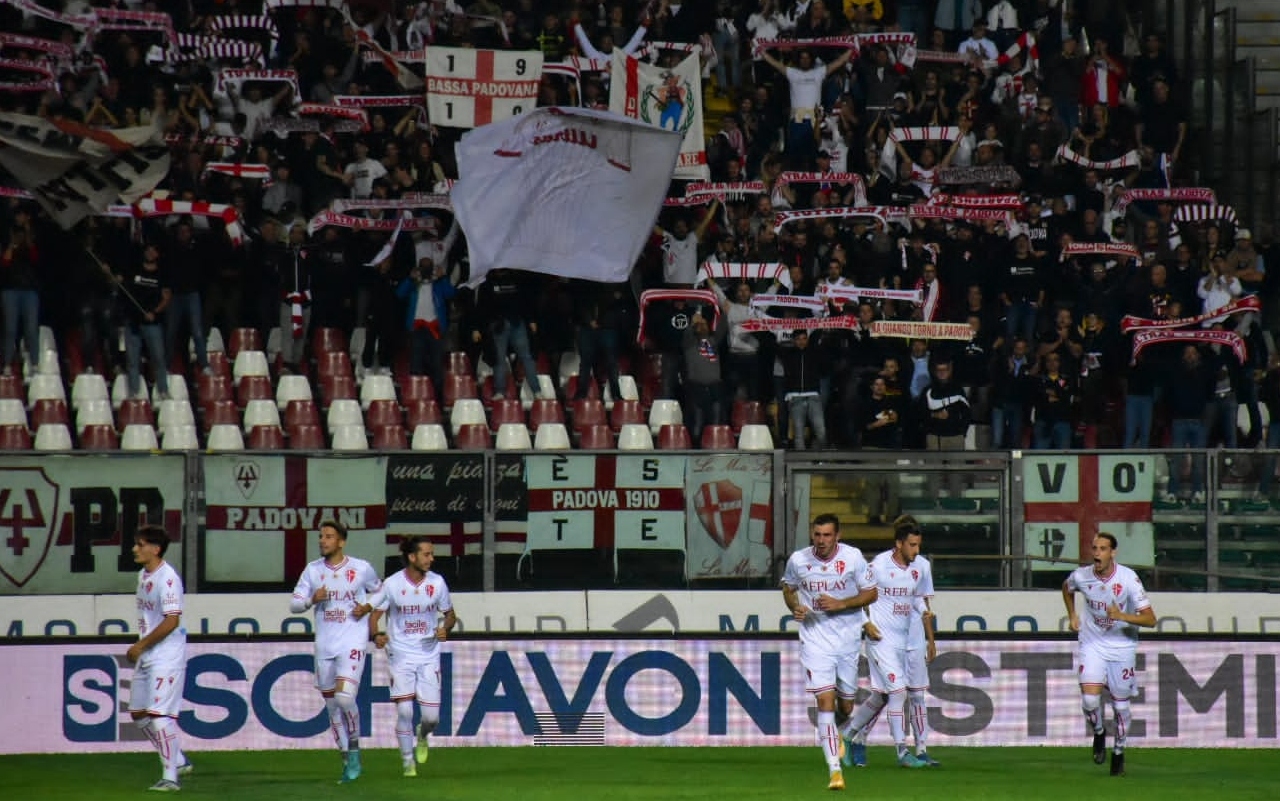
<point>258,694</point>
<point>244,521</point>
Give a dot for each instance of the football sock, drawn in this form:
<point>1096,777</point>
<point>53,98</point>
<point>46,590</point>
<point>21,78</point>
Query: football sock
<point>147,725</point>
<point>346,700</point>
<point>1124,716</point>
<point>919,720</point>
<point>897,719</point>
<point>171,756</point>
<point>1092,705</point>
<point>430,716</point>
<point>404,728</point>
<point>336,724</point>
<point>830,738</point>
<point>865,714</point>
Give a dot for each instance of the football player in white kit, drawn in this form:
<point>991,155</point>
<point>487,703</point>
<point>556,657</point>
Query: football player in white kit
<point>827,586</point>
<point>1116,605</point>
<point>338,586</point>
<point>419,617</point>
<point>159,656</point>
<point>898,583</point>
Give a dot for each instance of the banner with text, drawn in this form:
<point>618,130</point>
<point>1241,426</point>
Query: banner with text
<point>631,692</point>
<point>469,88</point>
<point>67,522</point>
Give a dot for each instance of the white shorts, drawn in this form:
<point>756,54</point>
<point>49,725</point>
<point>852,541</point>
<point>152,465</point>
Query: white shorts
<point>825,672</point>
<point>157,689</point>
<point>348,667</point>
<point>917,669</point>
<point>888,667</point>
<point>419,680</point>
<point>1118,676</point>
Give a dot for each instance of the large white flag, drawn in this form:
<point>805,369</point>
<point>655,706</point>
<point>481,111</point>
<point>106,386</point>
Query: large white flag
<point>566,191</point>
<point>669,98</point>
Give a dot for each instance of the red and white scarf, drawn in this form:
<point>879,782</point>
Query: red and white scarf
<point>410,200</point>
<point>377,101</point>
<point>235,77</point>
<point>205,139</point>
<point>1207,337</point>
<point>273,5</point>
<point>57,50</point>
<point>258,22</point>
<point>813,303</point>
<point>254,172</point>
<point>44,81</point>
<point>192,47</point>
<point>1190,194</point>
<point>917,133</point>
<point>775,324</point>
<point>942,57</point>
<point>13,191</point>
<point>1118,250</point>
<point>341,112</point>
<point>326,217</point>
<point>1126,162</point>
<point>704,297</point>
<point>833,177</point>
<point>960,332</point>
<point>705,191</point>
<point>881,213</point>
<point>744,271</point>
<point>854,294</point>
<point>296,301</point>
<point>902,46</point>
<point>927,211</point>
<point>151,207</point>
<point>1026,43</point>
<point>1248,303</point>
<point>1205,213</point>
<point>1008,201</point>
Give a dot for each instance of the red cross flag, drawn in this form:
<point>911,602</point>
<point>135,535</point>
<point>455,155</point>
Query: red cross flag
<point>469,88</point>
<point>1069,498</point>
<point>730,515</point>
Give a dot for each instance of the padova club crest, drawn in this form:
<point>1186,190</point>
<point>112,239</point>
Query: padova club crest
<point>668,102</point>
<point>719,508</point>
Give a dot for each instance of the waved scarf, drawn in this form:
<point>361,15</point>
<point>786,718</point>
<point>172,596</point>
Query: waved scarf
<point>1118,250</point>
<point>881,213</point>
<point>1248,303</point>
<point>1191,194</point>
<point>1126,162</point>
<point>296,301</point>
<point>930,211</point>
<point>811,302</point>
<point>1229,338</point>
<point>853,294</point>
<point>1007,201</point>
<point>255,172</point>
<point>744,271</point>
<point>1205,213</point>
<point>704,297</point>
<point>775,324</point>
<point>151,207</point>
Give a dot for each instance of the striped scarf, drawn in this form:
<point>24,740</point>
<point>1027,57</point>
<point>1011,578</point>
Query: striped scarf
<point>882,213</point>
<point>854,294</point>
<point>704,297</point>
<point>151,207</point>
<point>1248,303</point>
<point>813,303</point>
<point>1126,162</point>
<point>1205,213</point>
<point>1229,338</point>
<point>1118,250</point>
<point>744,271</point>
<point>1191,194</point>
<point>1008,201</point>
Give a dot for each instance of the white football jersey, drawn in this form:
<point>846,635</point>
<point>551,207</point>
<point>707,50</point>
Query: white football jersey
<point>916,638</point>
<point>894,607</point>
<point>160,595</point>
<point>414,612</point>
<point>349,584</point>
<point>1111,639</point>
<point>844,575</point>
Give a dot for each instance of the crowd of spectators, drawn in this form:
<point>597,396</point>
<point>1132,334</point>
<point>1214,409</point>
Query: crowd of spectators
<point>1046,354</point>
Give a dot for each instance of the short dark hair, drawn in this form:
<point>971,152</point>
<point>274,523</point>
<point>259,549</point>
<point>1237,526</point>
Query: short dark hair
<point>336,526</point>
<point>409,546</point>
<point>904,526</point>
<point>153,535</point>
<point>826,518</point>
<point>1111,538</point>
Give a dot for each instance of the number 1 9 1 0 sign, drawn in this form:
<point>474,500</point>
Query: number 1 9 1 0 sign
<point>469,88</point>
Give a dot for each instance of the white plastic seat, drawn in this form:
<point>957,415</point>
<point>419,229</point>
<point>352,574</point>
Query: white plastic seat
<point>429,437</point>
<point>260,412</point>
<point>376,387</point>
<point>249,362</point>
<point>665,413</point>
<point>755,437</point>
<point>292,388</point>
<point>120,391</point>
<point>174,413</point>
<point>45,387</point>
<point>483,371</point>
<point>570,365</point>
<point>139,437</point>
<point>626,385</point>
<point>350,438</point>
<point>344,412</point>
<point>88,387</point>
<point>180,438</point>
<point>212,343</point>
<point>94,413</point>
<point>12,412</point>
<point>552,437</point>
<point>356,350</point>
<point>53,437</point>
<point>274,343</point>
<point>466,411</point>
<point>513,437</point>
<point>225,437</point>
<point>546,389</point>
<point>47,339</point>
<point>177,390</point>
<point>48,362</point>
<point>635,437</point>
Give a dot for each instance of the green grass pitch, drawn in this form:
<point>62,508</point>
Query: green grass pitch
<point>656,774</point>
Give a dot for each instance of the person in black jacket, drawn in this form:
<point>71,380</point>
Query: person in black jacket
<point>1010,394</point>
<point>945,410</point>
<point>803,367</point>
<point>1055,396</point>
<point>1191,388</point>
<point>503,301</point>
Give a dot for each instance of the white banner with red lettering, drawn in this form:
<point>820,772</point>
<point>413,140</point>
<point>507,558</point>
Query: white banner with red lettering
<point>469,88</point>
<point>670,98</point>
<point>729,513</point>
<point>566,191</point>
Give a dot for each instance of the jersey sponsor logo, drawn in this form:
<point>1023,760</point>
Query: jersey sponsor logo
<point>28,514</point>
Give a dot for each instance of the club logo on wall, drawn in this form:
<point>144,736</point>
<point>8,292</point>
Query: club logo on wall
<point>719,508</point>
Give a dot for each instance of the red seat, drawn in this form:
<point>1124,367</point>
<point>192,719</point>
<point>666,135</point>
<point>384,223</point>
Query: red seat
<point>473,437</point>
<point>49,410</point>
<point>254,387</point>
<point>390,438</point>
<point>135,411</point>
<point>266,438</point>
<point>301,413</point>
<point>597,437</point>
<point>586,413</point>
<point>213,387</point>
<point>508,410</point>
<point>747,413</point>
<point>243,339</point>
<point>306,438</point>
<point>333,363</point>
<point>416,387</point>
<point>99,438</point>
<point>674,438</point>
<point>545,410</point>
<point>423,412</point>
<point>11,387</point>
<point>328,340</point>
<point>718,438</point>
<point>458,362</point>
<point>458,386</point>
<point>624,412</point>
<point>571,388</point>
<point>383,413</point>
<point>219,364</point>
<point>222,412</point>
<point>338,388</point>
<point>15,438</point>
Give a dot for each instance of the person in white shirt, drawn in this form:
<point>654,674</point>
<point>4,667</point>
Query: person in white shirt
<point>1219,287</point>
<point>680,249</point>
<point>827,587</point>
<point>419,616</point>
<point>899,588</point>
<point>978,45</point>
<point>805,81</point>
<point>338,587</point>
<point>254,107</point>
<point>159,656</point>
<point>1115,606</point>
<point>361,173</point>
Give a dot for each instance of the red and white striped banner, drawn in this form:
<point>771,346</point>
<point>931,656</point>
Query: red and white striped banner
<point>152,207</point>
<point>1190,194</point>
<point>1248,303</point>
<point>254,172</point>
<point>854,294</point>
<point>43,82</point>
<point>1010,201</point>
<point>59,50</point>
<point>1200,337</point>
<point>813,303</point>
<point>1026,43</point>
<point>1116,249</point>
<point>702,297</point>
<point>960,332</point>
<point>744,271</point>
<point>1126,162</point>
<point>468,88</point>
<point>1205,214</point>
